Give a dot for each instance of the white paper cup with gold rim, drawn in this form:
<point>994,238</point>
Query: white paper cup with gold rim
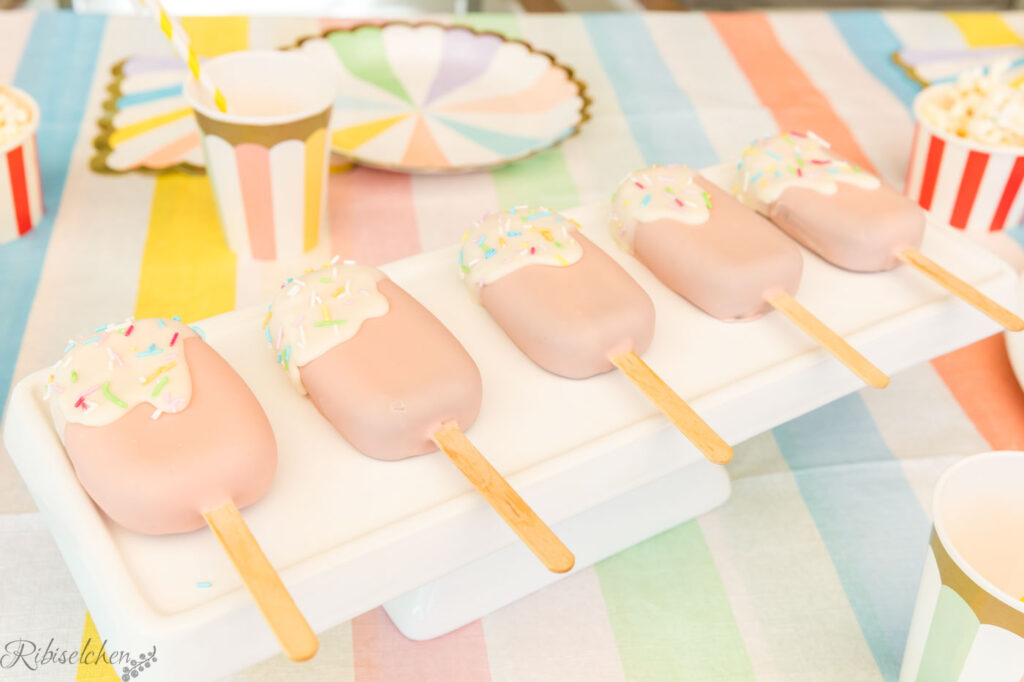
<point>267,156</point>
<point>968,625</point>
<point>21,187</point>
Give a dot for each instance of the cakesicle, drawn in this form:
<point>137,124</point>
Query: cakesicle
<point>569,307</point>
<point>165,437</point>
<point>846,215</point>
<point>392,380</point>
<point>721,256</point>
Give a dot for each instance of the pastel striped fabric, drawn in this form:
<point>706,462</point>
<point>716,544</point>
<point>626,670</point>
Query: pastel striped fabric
<point>21,192</point>
<point>808,573</point>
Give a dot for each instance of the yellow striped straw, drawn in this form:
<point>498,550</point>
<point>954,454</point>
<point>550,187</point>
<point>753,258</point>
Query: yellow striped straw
<point>179,39</point>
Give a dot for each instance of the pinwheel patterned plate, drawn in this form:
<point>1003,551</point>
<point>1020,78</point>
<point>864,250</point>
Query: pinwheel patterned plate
<point>427,98</point>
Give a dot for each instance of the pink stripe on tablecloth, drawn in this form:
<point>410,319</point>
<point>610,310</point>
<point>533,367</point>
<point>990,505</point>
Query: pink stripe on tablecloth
<point>373,219</point>
<point>172,152</point>
<point>382,654</point>
<point>254,178</point>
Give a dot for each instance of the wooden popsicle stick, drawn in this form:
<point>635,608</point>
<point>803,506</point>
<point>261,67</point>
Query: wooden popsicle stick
<point>503,498</point>
<point>965,291</point>
<point>828,339</point>
<point>297,639</point>
<point>675,408</point>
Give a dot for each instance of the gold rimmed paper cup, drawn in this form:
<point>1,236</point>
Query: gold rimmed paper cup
<point>968,625</point>
<point>21,187</point>
<point>267,156</point>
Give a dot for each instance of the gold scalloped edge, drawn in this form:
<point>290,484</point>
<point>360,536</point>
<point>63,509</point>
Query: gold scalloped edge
<point>101,143</point>
<point>581,92</point>
<point>910,70</point>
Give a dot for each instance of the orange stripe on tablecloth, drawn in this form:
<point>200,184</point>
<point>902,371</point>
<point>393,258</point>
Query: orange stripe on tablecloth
<point>982,381</point>
<point>372,216</point>
<point>781,84</point>
<point>382,654</point>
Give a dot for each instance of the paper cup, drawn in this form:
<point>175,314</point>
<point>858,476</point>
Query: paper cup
<point>968,625</point>
<point>21,186</point>
<point>969,185</point>
<point>267,157</point>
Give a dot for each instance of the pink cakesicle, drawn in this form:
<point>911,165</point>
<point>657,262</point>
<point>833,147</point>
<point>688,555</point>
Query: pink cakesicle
<point>569,307</point>
<point>392,380</point>
<point>165,437</point>
<point>844,214</point>
<point>721,256</point>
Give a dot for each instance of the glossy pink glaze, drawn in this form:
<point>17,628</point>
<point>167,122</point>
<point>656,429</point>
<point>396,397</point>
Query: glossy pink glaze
<point>855,228</point>
<point>569,320</point>
<point>157,476</point>
<point>389,387</point>
<point>725,265</point>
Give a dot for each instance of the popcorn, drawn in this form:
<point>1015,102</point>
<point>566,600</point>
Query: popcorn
<point>985,105</point>
<point>15,116</point>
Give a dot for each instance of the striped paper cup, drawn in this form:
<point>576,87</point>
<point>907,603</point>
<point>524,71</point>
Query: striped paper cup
<point>969,185</point>
<point>267,157</point>
<point>21,187</point>
<point>968,624</point>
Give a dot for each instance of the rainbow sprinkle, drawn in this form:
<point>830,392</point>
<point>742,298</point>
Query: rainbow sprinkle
<point>160,386</point>
<point>111,397</point>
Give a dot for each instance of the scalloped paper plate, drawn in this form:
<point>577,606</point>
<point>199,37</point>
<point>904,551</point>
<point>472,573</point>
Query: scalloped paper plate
<point>428,98</point>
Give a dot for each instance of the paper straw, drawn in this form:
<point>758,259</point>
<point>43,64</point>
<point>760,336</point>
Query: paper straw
<point>179,39</point>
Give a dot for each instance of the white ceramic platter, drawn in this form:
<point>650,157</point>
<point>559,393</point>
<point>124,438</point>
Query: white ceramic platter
<point>349,533</point>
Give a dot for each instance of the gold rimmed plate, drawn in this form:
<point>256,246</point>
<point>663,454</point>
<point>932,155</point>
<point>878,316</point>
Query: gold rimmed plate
<point>430,98</point>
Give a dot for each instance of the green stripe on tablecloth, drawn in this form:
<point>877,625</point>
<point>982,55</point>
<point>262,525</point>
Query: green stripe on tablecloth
<point>876,530</point>
<point>668,609</point>
<point>543,178</point>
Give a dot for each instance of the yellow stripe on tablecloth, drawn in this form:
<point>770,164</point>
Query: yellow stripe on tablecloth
<point>984,29</point>
<point>91,644</point>
<point>135,129</point>
<point>187,268</point>
<point>211,36</point>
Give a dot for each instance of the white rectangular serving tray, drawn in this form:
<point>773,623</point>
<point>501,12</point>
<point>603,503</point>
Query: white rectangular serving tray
<point>349,533</point>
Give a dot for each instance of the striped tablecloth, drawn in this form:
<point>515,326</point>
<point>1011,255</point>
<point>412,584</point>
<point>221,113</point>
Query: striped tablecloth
<point>808,573</point>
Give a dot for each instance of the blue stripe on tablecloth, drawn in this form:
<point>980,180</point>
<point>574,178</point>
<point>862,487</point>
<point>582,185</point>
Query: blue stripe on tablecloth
<point>872,524</point>
<point>56,68</point>
<point>874,43</point>
<point>660,116</point>
<point>143,96</point>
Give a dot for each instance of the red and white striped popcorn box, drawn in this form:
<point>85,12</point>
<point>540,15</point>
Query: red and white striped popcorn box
<point>972,186</point>
<point>21,187</point>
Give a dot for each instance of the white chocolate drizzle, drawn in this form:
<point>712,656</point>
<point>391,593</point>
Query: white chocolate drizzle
<point>657,193</point>
<point>106,373</point>
<point>501,243</point>
<point>320,309</point>
<point>770,165</point>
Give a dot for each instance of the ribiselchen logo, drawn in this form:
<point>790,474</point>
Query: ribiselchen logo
<point>22,654</point>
